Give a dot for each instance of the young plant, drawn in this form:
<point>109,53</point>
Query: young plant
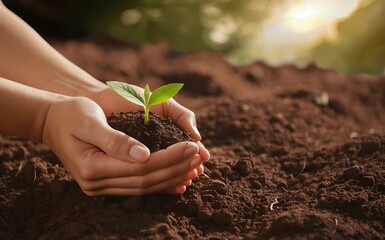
<point>160,95</point>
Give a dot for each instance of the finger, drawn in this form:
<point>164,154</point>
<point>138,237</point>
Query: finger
<point>99,165</point>
<point>154,178</point>
<point>187,183</point>
<point>193,173</point>
<point>179,189</point>
<point>203,152</point>
<point>183,117</point>
<point>160,187</point>
<point>115,143</point>
<point>200,169</point>
<point>172,155</point>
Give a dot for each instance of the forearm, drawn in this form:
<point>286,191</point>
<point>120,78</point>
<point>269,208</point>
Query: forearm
<point>27,58</point>
<point>23,109</point>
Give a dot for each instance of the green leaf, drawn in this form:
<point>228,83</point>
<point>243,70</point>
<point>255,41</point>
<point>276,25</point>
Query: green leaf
<point>164,93</point>
<point>127,92</point>
<point>146,94</point>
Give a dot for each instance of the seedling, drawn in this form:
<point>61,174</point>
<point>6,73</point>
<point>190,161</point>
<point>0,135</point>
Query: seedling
<point>160,95</point>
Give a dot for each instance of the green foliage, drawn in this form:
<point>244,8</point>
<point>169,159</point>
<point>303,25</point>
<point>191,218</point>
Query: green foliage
<point>361,44</point>
<point>189,25</point>
<point>230,27</point>
<point>160,95</point>
<point>186,25</point>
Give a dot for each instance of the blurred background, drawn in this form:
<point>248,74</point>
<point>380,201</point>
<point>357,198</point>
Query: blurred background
<point>345,35</point>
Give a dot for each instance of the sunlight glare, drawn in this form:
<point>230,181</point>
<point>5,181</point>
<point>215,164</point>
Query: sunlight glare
<point>301,24</point>
<point>306,21</point>
<point>332,9</point>
<point>305,13</point>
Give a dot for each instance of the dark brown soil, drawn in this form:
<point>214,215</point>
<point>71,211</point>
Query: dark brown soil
<point>159,133</point>
<point>296,154</point>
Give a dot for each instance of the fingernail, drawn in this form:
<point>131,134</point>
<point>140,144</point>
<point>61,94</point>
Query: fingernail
<point>196,131</point>
<point>208,155</point>
<point>202,168</point>
<point>192,174</point>
<point>190,152</point>
<point>139,153</point>
<point>196,161</point>
<point>181,189</point>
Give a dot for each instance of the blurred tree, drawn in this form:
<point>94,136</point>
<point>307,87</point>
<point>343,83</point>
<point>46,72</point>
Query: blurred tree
<point>361,43</point>
<point>184,24</point>
<point>231,27</point>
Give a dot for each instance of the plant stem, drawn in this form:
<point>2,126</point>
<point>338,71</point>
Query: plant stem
<point>146,113</point>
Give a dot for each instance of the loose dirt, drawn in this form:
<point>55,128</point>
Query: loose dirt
<point>296,154</point>
<point>157,134</point>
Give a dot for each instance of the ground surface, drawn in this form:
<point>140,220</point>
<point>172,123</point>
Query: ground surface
<point>295,154</point>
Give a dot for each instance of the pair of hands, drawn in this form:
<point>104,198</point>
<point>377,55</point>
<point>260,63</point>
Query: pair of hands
<point>76,129</point>
<point>105,161</point>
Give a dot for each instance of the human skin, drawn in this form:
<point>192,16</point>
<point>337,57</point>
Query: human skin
<point>101,159</point>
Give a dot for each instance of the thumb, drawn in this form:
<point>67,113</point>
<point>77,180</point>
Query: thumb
<point>117,144</point>
<point>187,122</point>
<point>184,118</point>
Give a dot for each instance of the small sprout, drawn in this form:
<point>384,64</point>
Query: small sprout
<point>160,95</point>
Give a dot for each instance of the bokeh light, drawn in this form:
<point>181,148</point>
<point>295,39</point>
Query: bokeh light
<point>346,35</point>
<point>297,26</point>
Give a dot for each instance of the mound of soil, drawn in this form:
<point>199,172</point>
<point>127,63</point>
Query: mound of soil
<point>296,154</point>
<point>159,133</point>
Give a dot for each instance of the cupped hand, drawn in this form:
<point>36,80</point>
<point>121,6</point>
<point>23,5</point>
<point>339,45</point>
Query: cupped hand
<point>106,161</point>
<point>111,102</point>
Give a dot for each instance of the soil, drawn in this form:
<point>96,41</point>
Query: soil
<point>295,154</point>
<point>158,133</point>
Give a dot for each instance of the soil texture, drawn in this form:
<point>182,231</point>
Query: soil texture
<point>295,154</point>
<point>159,133</point>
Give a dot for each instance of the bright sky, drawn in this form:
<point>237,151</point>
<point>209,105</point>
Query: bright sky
<point>305,20</point>
<point>301,24</point>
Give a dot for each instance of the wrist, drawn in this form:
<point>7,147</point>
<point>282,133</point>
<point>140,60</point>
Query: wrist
<point>45,112</point>
<point>23,109</point>
<point>74,82</point>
